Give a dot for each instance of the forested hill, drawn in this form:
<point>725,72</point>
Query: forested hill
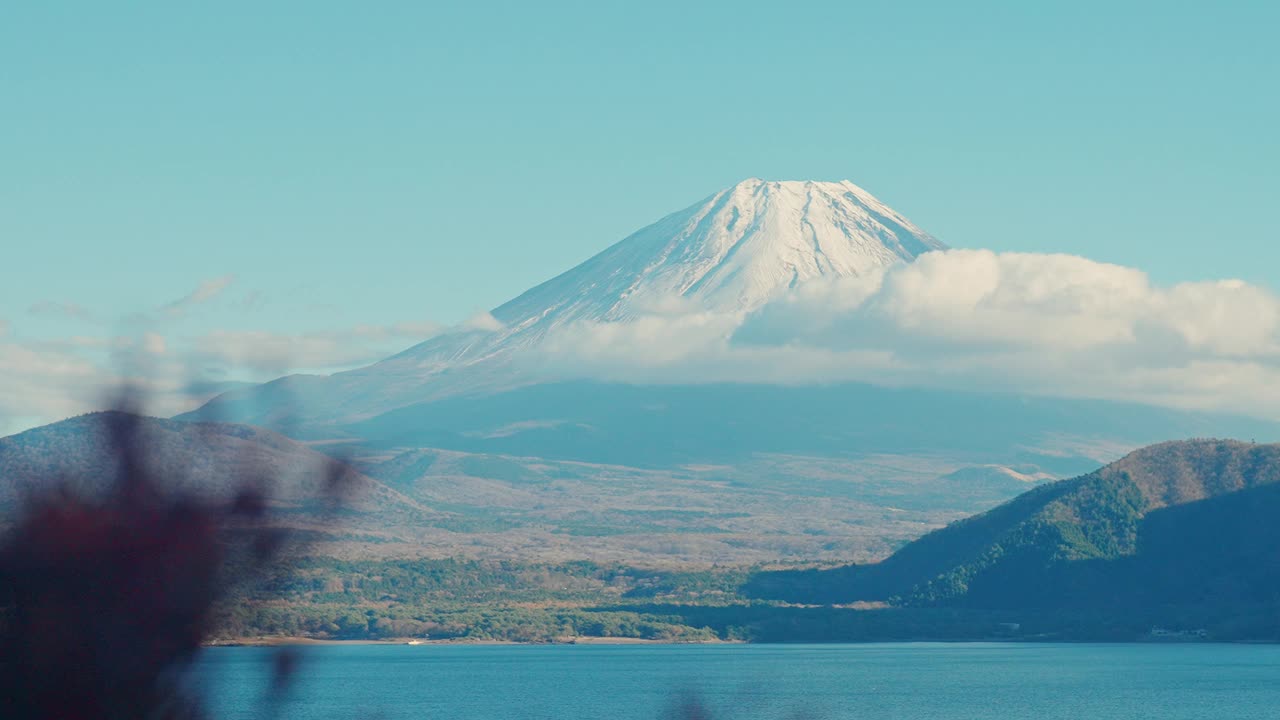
<point>208,459</point>
<point>1151,527</point>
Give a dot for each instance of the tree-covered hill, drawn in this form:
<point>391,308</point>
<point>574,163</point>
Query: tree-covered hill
<point>1158,526</point>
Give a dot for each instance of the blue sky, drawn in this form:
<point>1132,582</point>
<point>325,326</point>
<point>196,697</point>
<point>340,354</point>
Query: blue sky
<point>332,166</point>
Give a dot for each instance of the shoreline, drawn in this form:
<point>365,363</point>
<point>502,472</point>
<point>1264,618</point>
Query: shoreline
<point>286,641</point>
<point>283,641</point>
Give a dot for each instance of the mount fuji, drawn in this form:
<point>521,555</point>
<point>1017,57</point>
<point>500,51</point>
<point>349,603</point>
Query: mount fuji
<point>470,390</point>
<point>489,441</point>
<point>730,253</point>
<point>734,251</point>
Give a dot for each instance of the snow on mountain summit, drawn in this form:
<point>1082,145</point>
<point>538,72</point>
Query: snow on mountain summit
<point>730,253</point>
<point>734,251</point>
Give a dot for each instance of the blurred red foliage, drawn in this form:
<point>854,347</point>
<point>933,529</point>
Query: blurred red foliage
<point>106,601</point>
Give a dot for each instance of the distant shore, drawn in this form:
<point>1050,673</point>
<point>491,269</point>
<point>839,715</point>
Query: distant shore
<point>281,641</point>
<point>276,641</point>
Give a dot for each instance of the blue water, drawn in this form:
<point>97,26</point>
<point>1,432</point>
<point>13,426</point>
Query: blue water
<point>780,682</point>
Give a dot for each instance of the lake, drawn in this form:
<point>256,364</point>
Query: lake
<point>906,681</point>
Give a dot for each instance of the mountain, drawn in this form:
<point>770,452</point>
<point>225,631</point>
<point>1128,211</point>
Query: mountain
<point>469,390</point>
<point>885,463</point>
<point>1178,522</point>
<point>211,460</point>
<point>730,253</point>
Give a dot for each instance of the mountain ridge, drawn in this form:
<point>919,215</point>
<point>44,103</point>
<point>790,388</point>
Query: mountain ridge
<point>1023,548</point>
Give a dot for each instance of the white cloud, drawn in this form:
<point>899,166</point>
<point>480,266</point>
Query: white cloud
<point>204,292</point>
<point>268,353</point>
<point>48,308</point>
<point>483,321</point>
<point>1016,301</point>
<point>153,343</point>
<point>43,381</point>
<point>1045,324</point>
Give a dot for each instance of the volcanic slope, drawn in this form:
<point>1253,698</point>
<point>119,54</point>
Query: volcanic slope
<point>730,253</point>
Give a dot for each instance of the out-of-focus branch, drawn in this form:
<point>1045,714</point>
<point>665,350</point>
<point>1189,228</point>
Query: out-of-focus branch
<point>108,597</point>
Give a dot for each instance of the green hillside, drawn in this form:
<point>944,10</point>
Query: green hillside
<point>1077,542</point>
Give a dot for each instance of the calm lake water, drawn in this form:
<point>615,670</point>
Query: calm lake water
<point>782,682</point>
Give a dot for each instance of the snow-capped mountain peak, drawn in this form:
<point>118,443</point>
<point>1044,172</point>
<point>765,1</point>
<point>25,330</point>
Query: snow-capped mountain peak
<point>729,254</point>
<point>733,251</point>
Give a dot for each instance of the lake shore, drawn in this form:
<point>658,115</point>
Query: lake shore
<point>278,641</point>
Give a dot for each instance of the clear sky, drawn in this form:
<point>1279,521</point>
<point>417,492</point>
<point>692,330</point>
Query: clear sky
<point>339,164</point>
